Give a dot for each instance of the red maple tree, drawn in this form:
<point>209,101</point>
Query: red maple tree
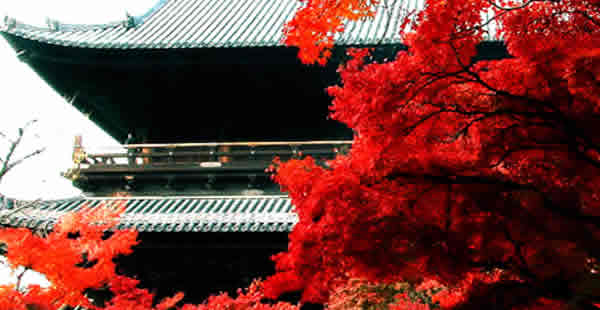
<point>477,182</point>
<point>481,175</point>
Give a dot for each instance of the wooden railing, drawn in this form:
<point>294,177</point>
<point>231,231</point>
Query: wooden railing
<point>209,155</point>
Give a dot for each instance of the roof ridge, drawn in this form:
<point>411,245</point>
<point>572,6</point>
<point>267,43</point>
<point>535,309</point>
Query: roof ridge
<point>11,23</point>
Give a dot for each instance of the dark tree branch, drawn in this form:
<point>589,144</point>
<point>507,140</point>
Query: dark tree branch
<point>524,5</point>
<point>571,213</point>
<point>521,265</point>
<point>19,161</point>
<point>588,17</point>
<point>7,163</point>
<point>19,278</point>
<point>449,208</point>
<point>570,127</point>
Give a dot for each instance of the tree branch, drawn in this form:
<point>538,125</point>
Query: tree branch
<point>506,184</point>
<point>19,278</point>
<point>7,163</point>
<point>19,161</point>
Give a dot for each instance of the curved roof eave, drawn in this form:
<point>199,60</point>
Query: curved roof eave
<point>58,33</point>
<point>207,24</point>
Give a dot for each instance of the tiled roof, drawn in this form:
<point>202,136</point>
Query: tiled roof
<point>209,23</point>
<point>172,214</point>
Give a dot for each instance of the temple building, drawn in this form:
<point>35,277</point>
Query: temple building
<point>203,95</point>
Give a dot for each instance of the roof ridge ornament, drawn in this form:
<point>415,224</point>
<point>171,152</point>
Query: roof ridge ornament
<point>53,25</point>
<point>9,22</point>
<point>129,22</point>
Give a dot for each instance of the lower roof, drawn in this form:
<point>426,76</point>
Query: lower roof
<point>167,214</point>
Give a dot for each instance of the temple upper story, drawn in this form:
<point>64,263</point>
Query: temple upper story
<point>202,70</point>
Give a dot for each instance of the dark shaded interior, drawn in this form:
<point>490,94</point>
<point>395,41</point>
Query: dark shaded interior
<point>202,264</point>
<point>200,95</point>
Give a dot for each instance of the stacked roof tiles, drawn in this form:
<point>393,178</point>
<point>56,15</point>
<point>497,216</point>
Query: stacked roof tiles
<point>170,214</point>
<point>212,24</point>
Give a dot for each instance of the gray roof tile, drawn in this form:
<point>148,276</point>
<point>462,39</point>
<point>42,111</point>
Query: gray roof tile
<point>211,23</point>
<point>200,214</point>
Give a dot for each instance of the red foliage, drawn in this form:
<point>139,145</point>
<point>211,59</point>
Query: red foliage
<point>250,299</point>
<point>71,264</point>
<point>459,166</point>
<point>315,24</point>
<point>362,295</point>
<point>76,256</point>
<point>480,177</point>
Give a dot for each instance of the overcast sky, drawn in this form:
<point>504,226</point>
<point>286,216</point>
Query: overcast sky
<point>24,96</point>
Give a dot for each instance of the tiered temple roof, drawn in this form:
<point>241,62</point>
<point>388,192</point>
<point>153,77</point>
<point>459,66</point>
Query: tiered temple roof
<point>198,71</point>
<point>141,73</point>
<point>201,71</point>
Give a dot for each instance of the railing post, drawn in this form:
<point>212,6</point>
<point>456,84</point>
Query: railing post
<point>211,181</point>
<point>295,151</point>
<point>171,158</point>
<point>131,156</point>
<point>252,154</point>
<point>252,181</point>
<point>213,153</point>
<point>79,155</point>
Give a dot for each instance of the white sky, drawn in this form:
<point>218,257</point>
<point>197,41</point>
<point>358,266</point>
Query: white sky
<point>24,96</point>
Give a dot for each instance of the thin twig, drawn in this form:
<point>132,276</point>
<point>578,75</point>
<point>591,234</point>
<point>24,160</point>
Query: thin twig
<point>7,163</point>
<point>19,278</point>
<point>20,160</point>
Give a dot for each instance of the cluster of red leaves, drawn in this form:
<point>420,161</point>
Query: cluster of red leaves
<point>73,257</point>
<point>324,18</point>
<point>77,255</point>
<point>126,295</point>
<point>249,299</point>
<point>460,166</point>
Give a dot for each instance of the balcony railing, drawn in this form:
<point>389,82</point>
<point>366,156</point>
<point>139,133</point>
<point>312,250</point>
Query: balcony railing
<point>225,156</point>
